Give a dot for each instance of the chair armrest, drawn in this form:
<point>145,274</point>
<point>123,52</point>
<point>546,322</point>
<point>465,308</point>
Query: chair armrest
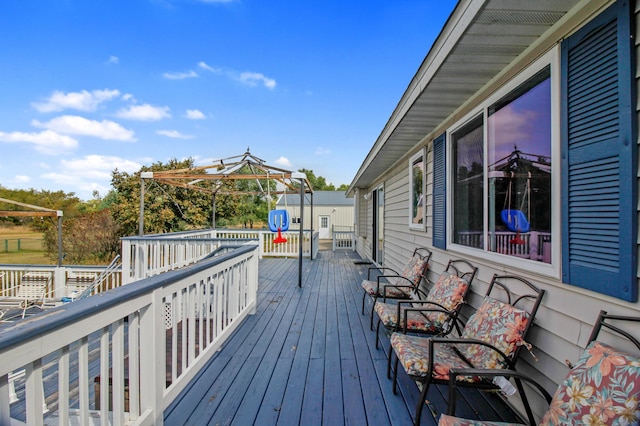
<point>8,289</point>
<point>454,373</point>
<point>438,308</point>
<point>410,285</point>
<point>468,341</point>
<point>381,268</point>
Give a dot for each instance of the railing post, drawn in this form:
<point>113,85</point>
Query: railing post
<point>5,406</point>
<point>153,352</point>
<point>261,241</point>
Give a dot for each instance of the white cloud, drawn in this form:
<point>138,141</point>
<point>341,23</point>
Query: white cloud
<point>252,79</point>
<point>173,134</point>
<point>21,179</point>
<point>322,151</point>
<point>194,114</point>
<point>89,173</point>
<point>76,125</point>
<point>284,161</point>
<point>144,112</point>
<point>255,78</point>
<point>48,141</point>
<point>128,97</point>
<point>204,66</point>
<point>113,59</point>
<point>82,101</point>
<point>180,75</point>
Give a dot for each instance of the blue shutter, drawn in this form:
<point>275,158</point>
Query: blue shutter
<point>599,184</point>
<point>439,193</point>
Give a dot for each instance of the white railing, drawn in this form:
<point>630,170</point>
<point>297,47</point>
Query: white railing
<point>62,283</point>
<point>146,256</point>
<point>344,240</point>
<point>150,255</point>
<point>129,352</point>
<point>531,245</point>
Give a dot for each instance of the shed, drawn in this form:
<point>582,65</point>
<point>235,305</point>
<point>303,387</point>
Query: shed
<point>332,210</point>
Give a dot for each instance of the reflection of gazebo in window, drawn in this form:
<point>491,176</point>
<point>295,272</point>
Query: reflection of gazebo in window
<point>520,205</point>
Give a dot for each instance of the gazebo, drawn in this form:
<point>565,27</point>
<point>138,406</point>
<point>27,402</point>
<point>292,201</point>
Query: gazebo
<point>241,167</point>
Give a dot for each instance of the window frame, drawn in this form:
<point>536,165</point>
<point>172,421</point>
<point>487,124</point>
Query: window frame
<point>420,155</point>
<point>551,59</point>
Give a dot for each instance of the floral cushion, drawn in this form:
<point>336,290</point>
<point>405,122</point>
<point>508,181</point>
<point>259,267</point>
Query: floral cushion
<point>449,292</point>
<point>371,287</point>
<point>413,271</point>
<point>603,388</point>
<point>413,354</point>
<point>417,321</point>
<point>446,420</point>
<point>498,324</point>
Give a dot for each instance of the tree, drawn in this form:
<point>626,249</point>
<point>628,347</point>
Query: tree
<point>167,208</point>
<point>87,239</point>
<point>318,183</point>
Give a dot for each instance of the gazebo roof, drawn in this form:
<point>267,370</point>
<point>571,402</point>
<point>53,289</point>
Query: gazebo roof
<point>228,169</point>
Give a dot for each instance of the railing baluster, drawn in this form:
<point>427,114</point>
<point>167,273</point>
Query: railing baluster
<point>104,376</point>
<point>5,406</point>
<point>134,366</point>
<point>118,382</point>
<point>83,380</point>
<point>34,392</point>
<point>63,386</point>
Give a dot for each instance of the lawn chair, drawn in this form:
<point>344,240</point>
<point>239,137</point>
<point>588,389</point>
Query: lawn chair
<point>607,381</point>
<point>397,285</point>
<point>491,339</point>
<point>33,289</point>
<point>434,313</point>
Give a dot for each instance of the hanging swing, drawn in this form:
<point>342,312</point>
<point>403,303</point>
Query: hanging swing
<point>515,220</point>
<point>278,218</point>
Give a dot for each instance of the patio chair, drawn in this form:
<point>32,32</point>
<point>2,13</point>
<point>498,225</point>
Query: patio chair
<point>492,338</point>
<point>397,285</point>
<point>608,381</point>
<point>433,313</point>
<point>32,290</point>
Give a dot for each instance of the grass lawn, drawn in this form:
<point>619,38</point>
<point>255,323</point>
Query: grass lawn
<point>30,247</point>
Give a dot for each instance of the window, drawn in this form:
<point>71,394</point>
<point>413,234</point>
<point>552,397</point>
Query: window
<point>519,170</point>
<point>501,173</point>
<point>416,191</point>
<point>552,162</point>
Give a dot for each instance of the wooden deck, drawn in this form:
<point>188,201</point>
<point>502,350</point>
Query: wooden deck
<point>308,357</point>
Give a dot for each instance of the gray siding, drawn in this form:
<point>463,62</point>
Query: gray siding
<point>567,314</point>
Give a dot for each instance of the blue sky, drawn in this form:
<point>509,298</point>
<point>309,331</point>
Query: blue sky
<point>89,86</point>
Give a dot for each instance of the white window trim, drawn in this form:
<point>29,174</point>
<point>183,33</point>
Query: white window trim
<point>552,270</point>
<point>417,226</point>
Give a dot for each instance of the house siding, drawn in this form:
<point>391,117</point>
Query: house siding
<point>567,314</point>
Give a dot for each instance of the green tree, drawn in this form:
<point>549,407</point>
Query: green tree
<point>319,183</point>
<point>167,208</point>
<point>87,239</point>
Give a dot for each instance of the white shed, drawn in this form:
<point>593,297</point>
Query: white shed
<point>332,210</point>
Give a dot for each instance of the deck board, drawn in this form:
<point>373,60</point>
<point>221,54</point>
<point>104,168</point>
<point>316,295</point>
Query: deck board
<point>307,357</point>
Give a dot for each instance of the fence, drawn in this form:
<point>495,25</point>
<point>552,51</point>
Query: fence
<point>128,354</point>
<point>12,245</point>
